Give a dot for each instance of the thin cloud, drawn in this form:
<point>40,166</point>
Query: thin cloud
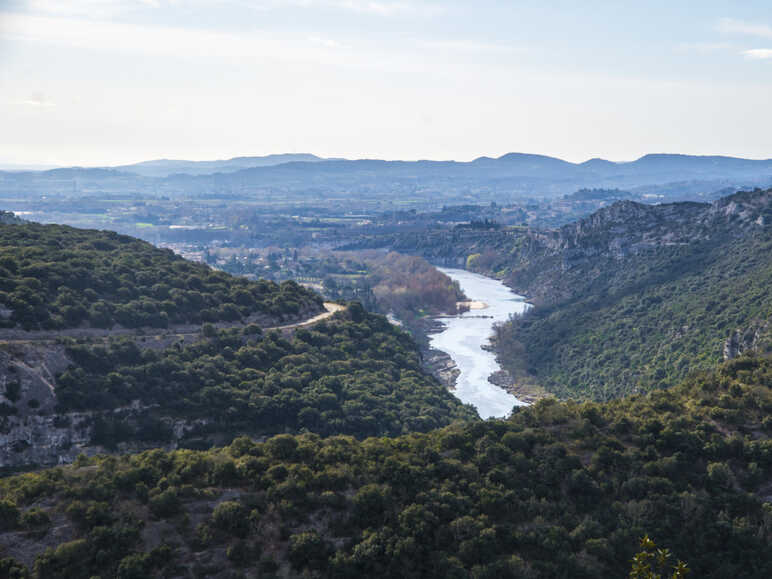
<point>470,46</point>
<point>326,42</point>
<point>705,47</point>
<point>744,28</point>
<point>91,9</point>
<point>38,101</point>
<point>375,7</point>
<point>381,8</point>
<point>174,42</point>
<point>259,48</point>
<point>758,53</point>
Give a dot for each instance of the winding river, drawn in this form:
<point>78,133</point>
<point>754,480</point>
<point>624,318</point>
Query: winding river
<point>465,334</point>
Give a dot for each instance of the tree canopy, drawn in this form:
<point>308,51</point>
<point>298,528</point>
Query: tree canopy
<point>562,489</point>
<point>54,277</point>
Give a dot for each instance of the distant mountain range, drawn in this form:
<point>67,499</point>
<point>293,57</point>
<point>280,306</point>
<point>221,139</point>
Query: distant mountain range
<point>509,177</point>
<point>166,167</point>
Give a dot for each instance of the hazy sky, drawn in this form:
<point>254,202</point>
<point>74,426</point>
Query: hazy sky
<point>106,82</point>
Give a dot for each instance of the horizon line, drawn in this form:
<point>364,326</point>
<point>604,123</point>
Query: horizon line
<point>44,166</point>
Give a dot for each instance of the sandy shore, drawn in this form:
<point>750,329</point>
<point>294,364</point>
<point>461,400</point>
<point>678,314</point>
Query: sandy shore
<point>471,305</point>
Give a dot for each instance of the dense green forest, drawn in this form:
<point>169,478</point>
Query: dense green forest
<point>54,277</point>
<point>650,326</point>
<point>636,297</point>
<point>352,374</point>
<point>561,489</point>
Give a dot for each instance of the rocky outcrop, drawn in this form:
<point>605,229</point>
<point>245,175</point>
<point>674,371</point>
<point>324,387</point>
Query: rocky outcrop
<point>552,265</point>
<point>754,338</point>
<point>524,390</point>
<point>442,367</point>
<point>747,208</point>
<point>34,433</point>
<point>627,228</point>
<point>45,440</point>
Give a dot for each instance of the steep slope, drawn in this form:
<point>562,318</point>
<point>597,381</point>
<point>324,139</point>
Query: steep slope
<point>55,277</point>
<point>352,374</point>
<point>636,297</point>
<point>559,490</point>
<point>632,297</point>
<point>140,348</point>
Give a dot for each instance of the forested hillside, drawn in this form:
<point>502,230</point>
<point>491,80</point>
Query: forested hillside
<point>630,298</point>
<point>55,277</point>
<point>559,490</point>
<point>692,309</point>
<point>353,374</point>
<point>644,296</point>
<point>198,384</point>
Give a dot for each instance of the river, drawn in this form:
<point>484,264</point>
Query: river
<point>465,334</point>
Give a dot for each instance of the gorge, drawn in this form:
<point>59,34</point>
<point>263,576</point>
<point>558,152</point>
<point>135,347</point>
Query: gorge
<point>465,335</point>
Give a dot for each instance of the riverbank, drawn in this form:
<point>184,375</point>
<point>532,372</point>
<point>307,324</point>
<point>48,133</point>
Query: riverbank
<point>467,305</point>
<point>459,352</point>
<point>526,393</point>
<point>442,366</point>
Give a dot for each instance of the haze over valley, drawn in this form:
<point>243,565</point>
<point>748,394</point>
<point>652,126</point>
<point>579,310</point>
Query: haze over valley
<point>276,300</point>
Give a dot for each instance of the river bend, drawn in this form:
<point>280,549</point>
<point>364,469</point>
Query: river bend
<point>464,335</point>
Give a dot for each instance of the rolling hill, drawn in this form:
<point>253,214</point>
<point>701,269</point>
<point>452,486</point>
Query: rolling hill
<point>559,490</point>
<point>109,343</point>
<point>510,177</point>
<point>55,277</point>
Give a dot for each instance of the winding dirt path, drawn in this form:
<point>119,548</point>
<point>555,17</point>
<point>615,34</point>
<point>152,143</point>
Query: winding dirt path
<point>331,308</point>
<point>37,336</point>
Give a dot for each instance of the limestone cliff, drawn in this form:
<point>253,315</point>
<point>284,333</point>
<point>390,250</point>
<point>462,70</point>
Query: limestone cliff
<point>33,432</point>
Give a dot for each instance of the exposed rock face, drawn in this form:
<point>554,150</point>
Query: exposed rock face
<point>754,207</point>
<point>552,266</point>
<point>50,439</point>
<point>30,430</point>
<point>626,228</point>
<point>754,338</point>
<point>442,366</point>
<point>27,374</point>
<point>33,433</point>
<point>44,440</point>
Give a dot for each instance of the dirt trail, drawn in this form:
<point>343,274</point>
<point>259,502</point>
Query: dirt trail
<point>38,336</point>
<point>331,308</point>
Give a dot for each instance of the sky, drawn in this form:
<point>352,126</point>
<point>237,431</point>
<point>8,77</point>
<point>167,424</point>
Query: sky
<point>98,82</point>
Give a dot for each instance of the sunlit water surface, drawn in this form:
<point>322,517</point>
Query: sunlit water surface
<point>464,335</point>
